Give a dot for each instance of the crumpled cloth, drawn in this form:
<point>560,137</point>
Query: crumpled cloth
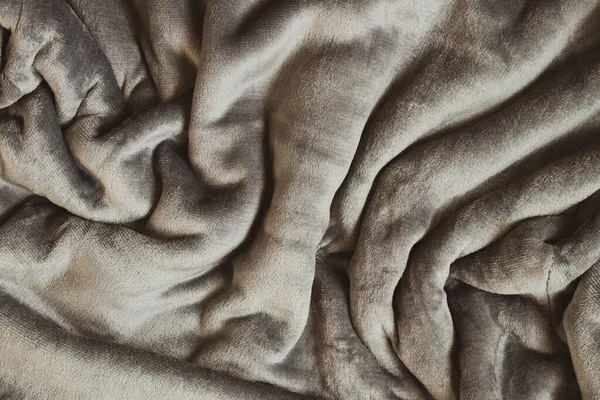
<point>281,199</point>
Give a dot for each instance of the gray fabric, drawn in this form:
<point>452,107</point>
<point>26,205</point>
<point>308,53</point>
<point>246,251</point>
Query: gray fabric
<point>367,199</point>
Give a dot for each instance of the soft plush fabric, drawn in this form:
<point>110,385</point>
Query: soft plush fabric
<point>281,199</point>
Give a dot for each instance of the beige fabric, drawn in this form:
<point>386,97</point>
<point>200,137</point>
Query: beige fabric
<point>238,199</point>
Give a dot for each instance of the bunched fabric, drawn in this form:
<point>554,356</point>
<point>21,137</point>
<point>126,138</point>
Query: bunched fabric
<point>281,199</point>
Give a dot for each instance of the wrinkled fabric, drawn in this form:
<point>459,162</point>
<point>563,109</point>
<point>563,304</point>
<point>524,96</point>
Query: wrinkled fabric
<point>277,199</point>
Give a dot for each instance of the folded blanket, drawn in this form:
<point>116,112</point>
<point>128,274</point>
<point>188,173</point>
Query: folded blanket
<point>281,199</point>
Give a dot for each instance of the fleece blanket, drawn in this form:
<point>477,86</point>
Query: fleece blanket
<point>286,199</point>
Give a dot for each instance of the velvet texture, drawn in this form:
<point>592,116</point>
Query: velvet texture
<point>273,199</point>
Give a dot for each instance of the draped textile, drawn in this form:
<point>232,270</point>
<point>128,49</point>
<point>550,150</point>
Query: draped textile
<point>273,199</point>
